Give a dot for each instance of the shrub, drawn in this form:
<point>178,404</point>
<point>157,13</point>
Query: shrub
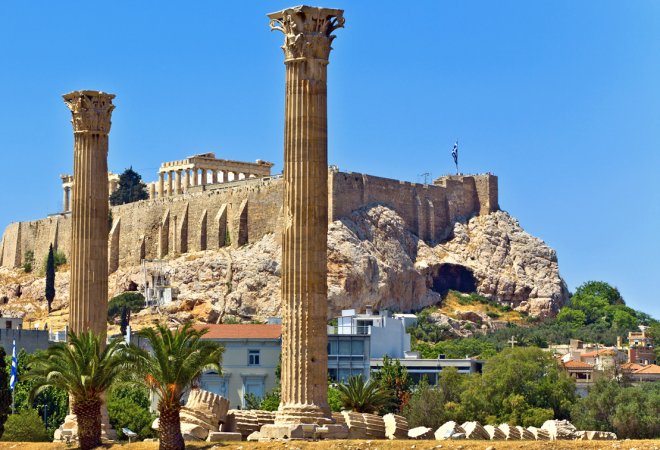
<point>271,401</point>
<point>252,401</point>
<point>25,426</point>
<point>133,300</point>
<point>59,258</point>
<point>334,399</point>
<point>128,407</point>
<point>426,407</point>
<point>28,262</point>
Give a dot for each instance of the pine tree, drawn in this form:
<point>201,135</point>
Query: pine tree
<point>50,277</point>
<point>125,319</point>
<point>5,393</point>
<point>130,188</point>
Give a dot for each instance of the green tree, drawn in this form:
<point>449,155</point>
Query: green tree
<point>134,301</point>
<point>5,393</point>
<point>177,359</point>
<point>86,367</point>
<point>334,399</point>
<point>364,397</point>
<point>125,320</point>
<point>394,377</point>
<point>598,289</point>
<point>25,426</point>
<point>128,407</point>
<point>53,404</point>
<point>514,381</point>
<point>271,400</point>
<point>573,317</point>
<point>130,188</point>
<point>426,407</point>
<point>50,277</point>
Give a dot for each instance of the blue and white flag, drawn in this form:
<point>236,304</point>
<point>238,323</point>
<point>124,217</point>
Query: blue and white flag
<point>454,153</point>
<point>14,367</point>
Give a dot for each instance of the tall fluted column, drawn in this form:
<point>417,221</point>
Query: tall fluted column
<point>177,175</point>
<point>66,203</point>
<point>170,179</point>
<point>88,297</point>
<point>307,38</point>
<point>161,185</point>
<point>186,180</point>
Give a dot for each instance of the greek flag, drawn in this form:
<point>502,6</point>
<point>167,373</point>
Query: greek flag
<point>454,153</point>
<point>14,367</point>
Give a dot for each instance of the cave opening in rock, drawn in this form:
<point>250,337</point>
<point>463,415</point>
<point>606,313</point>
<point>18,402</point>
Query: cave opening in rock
<point>453,277</point>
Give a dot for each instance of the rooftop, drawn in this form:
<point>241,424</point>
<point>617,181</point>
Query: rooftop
<point>650,369</point>
<point>240,331</point>
<point>577,365</point>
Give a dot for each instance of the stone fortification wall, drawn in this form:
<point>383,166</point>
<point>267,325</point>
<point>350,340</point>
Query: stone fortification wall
<point>215,216</point>
<point>429,210</point>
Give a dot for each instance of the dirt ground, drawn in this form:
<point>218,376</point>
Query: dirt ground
<point>367,445</point>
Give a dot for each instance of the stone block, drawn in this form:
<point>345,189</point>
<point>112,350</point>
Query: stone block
<point>375,426</point>
<point>222,436</point>
<point>448,430</point>
<point>601,436</point>
<point>420,433</point>
<point>396,427</point>
<point>357,427</point>
<point>511,433</point>
<point>560,430</point>
<point>525,434</point>
<point>494,432</point>
<point>192,432</point>
<point>539,434</point>
<point>474,430</point>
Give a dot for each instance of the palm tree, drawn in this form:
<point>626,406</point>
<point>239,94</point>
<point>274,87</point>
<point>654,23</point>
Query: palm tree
<point>86,368</point>
<point>177,359</point>
<point>364,397</point>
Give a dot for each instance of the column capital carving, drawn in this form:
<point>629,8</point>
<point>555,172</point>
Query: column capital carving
<point>90,110</point>
<point>307,31</point>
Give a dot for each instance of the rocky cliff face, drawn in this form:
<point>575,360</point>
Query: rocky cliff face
<point>372,260</point>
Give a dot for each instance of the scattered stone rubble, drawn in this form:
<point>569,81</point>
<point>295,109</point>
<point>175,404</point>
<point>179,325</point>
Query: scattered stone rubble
<point>450,430</point>
<point>247,422</point>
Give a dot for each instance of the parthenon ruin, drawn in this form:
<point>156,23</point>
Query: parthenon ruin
<point>177,177</point>
<point>67,186</point>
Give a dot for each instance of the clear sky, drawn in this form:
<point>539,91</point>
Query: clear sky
<point>561,99</point>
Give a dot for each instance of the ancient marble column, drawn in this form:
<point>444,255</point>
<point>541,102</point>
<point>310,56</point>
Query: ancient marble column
<point>307,39</point>
<point>67,196</point>
<point>161,185</point>
<point>88,297</point>
<point>170,183</point>
<point>186,180</point>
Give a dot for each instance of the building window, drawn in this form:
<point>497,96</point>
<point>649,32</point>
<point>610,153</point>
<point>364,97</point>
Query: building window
<point>253,358</point>
<point>8,324</point>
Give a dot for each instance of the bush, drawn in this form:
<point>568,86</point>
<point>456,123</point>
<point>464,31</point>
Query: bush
<point>128,407</point>
<point>271,401</point>
<point>426,407</point>
<point>25,426</point>
<point>28,262</point>
<point>133,300</point>
<point>59,258</point>
<point>334,399</point>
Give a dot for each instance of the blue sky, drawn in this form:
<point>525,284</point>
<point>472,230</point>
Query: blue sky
<point>561,99</point>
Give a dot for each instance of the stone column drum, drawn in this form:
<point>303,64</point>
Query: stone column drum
<point>88,298</point>
<point>307,38</point>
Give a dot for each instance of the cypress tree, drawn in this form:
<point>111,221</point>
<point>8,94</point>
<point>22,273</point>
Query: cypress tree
<point>130,188</point>
<point>50,277</point>
<point>5,393</point>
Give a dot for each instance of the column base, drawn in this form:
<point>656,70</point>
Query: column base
<point>295,414</point>
<point>300,431</point>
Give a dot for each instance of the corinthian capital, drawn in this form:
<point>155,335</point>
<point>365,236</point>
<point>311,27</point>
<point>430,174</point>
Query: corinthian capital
<point>91,111</point>
<point>307,31</point>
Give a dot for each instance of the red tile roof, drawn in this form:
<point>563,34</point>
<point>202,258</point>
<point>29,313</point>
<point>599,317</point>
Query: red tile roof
<point>631,366</point>
<point>240,331</point>
<point>650,369</point>
<point>605,351</point>
<point>572,364</point>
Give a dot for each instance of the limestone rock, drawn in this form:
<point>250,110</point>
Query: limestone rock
<point>420,433</point>
<point>448,430</point>
<point>240,421</point>
<point>494,433</point>
<point>474,430</point>
<point>396,427</point>
<point>560,429</point>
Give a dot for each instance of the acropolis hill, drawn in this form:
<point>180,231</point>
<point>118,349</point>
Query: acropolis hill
<point>391,244</point>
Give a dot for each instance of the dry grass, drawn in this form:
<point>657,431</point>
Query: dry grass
<point>366,444</point>
<point>451,305</point>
